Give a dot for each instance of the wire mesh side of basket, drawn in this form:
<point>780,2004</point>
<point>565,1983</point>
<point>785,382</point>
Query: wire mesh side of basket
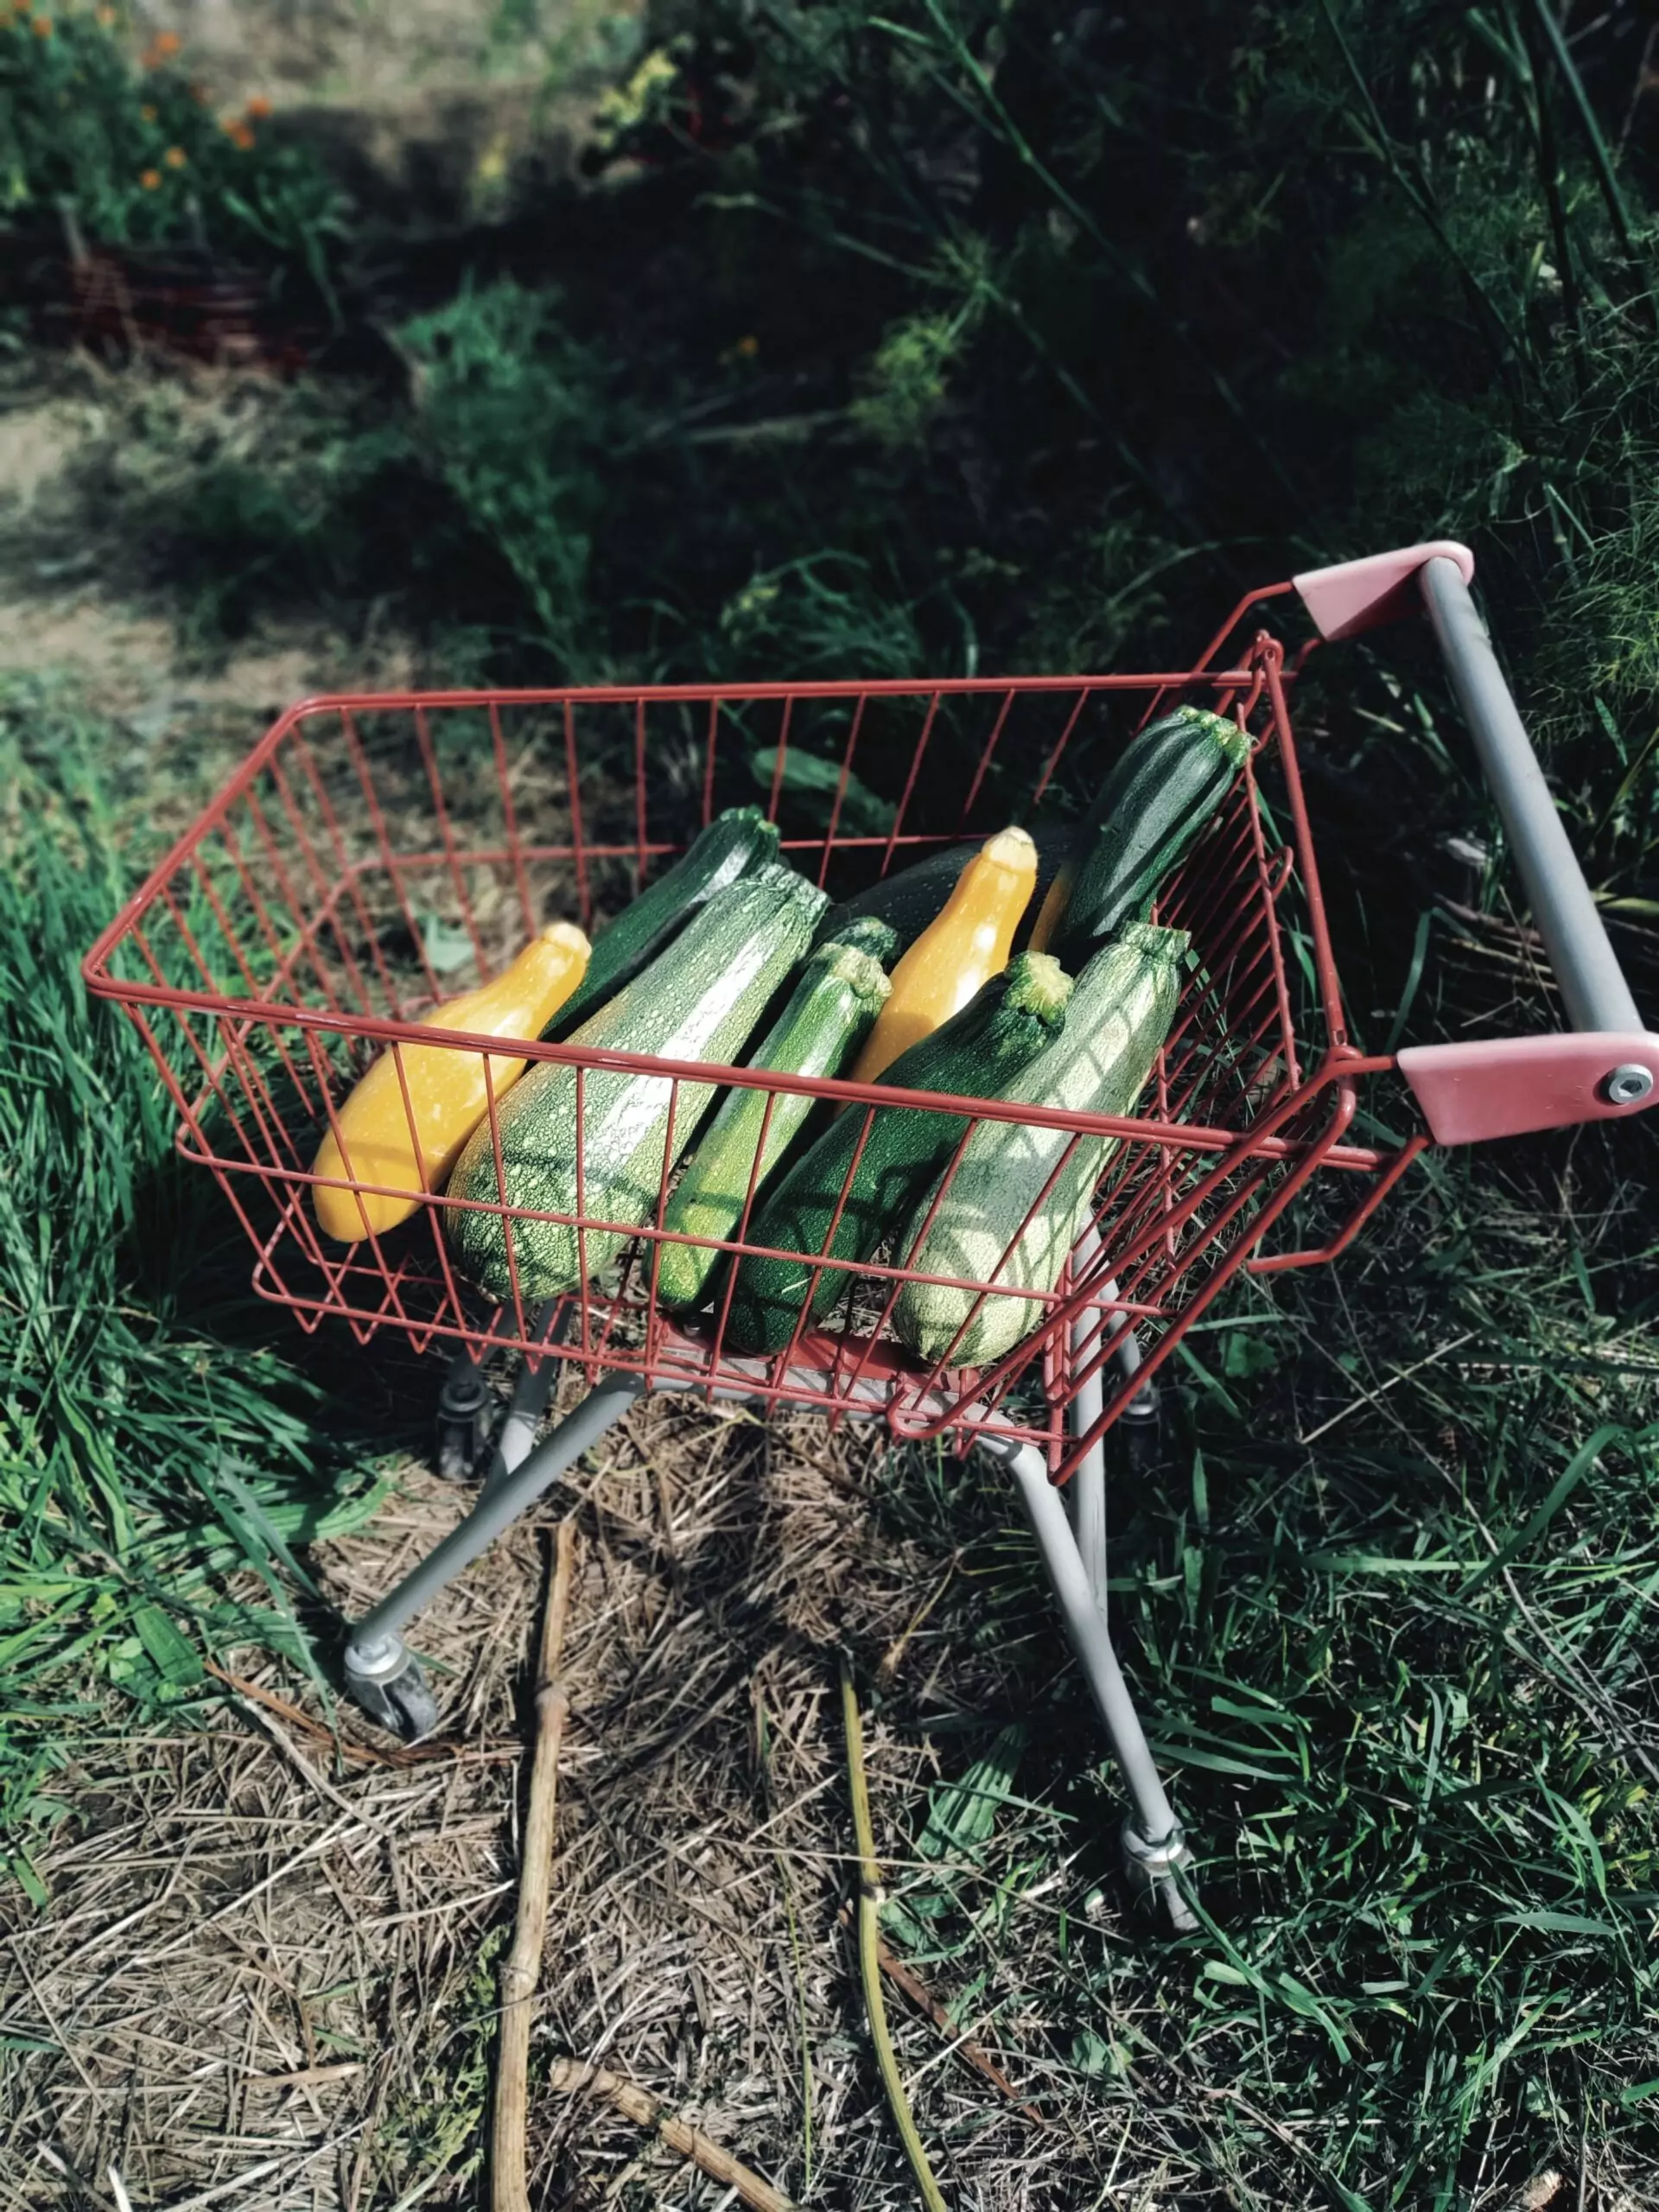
<point>377,854</point>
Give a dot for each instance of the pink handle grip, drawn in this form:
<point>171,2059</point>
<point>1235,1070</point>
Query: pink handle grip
<point>1358,595</point>
<point>1505,1087</point>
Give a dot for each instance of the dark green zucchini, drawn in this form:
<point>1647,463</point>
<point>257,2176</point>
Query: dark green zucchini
<point>1157,801</point>
<point>866,933</point>
<point>999,1031</point>
<point>735,843</point>
<point>911,898</point>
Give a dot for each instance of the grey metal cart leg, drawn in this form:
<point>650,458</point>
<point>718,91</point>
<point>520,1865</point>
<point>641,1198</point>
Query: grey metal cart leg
<point>1074,1555</point>
<point>1138,1423</point>
<point>1154,1847</point>
<point>530,1393</point>
<point>463,1420</point>
<point>380,1673</point>
<point>465,1407</point>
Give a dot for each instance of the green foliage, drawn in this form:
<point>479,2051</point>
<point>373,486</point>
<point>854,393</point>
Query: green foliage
<point>145,1457</point>
<point>140,154</point>
<point>515,423</point>
<point>818,616</point>
<point>1399,1677</point>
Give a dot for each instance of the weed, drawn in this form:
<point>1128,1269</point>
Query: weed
<point>147,1462</point>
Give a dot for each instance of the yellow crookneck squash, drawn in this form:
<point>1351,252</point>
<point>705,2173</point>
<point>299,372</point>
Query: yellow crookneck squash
<point>447,1097</point>
<point>967,942</point>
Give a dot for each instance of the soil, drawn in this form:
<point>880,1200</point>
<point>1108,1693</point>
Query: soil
<point>433,110</point>
<point>267,1970</point>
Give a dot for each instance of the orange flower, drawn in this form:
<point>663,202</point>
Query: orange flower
<point>258,108</point>
<point>151,179</point>
<point>176,157</point>
<point>167,43</point>
<point>147,114</point>
<point>43,26</point>
<point>239,135</point>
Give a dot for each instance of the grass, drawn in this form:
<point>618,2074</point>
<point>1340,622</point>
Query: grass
<point>152,1452</point>
<point>1401,1675</point>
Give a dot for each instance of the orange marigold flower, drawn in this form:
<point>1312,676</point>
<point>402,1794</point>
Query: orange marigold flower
<point>43,26</point>
<point>176,157</point>
<point>239,135</point>
<point>168,43</point>
<point>258,108</point>
<point>151,179</point>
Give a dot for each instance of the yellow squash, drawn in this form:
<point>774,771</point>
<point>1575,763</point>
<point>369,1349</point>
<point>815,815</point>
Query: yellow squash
<point>968,941</point>
<point>447,1097</point>
<point>1051,912</point>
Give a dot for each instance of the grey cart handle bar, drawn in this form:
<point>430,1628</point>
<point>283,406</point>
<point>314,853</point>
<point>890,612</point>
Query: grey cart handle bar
<point>1605,1066</point>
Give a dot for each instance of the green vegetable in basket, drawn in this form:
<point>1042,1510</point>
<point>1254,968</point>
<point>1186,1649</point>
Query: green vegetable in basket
<point>974,1054</point>
<point>834,1004</point>
<point>735,844</point>
<point>697,1001</point>
<point>1121,1012</point>
<point>1158,800</point>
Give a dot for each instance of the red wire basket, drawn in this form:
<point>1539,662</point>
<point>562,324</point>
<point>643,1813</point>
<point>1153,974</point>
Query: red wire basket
<point>377,854</point>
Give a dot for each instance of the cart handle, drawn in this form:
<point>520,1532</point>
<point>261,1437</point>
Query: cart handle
<point>1488,1088</point>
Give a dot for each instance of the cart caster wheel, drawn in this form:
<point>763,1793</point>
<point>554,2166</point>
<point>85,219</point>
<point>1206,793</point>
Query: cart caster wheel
<point>384,1682</point>
<point>1141,1427</point>
<point>1153,1869</point>
<point>463,1427</point>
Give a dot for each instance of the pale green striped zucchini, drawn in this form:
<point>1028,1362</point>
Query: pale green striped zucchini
<point>699,999</point>
<point>1121,1011</point>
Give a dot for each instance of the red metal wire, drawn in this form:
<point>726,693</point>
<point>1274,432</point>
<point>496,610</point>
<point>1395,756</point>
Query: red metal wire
<point>286,936</point>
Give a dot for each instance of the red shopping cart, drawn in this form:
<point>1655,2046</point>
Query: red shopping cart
<point>377,853</point>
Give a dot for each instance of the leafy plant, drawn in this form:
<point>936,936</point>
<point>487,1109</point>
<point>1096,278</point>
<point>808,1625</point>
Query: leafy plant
<point>140,155</point>
<point>148,1457</point>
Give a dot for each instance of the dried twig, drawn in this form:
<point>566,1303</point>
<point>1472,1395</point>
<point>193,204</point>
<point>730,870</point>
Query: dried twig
<point>362,1754</point>
<point>522,1967</point>
<point>966,2047</point>
<point>893,1657</point>
<point>573,2075</point>
<point>869,1882</point>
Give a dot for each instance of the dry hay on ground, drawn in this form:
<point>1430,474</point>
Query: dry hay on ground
<point>266,1979</point>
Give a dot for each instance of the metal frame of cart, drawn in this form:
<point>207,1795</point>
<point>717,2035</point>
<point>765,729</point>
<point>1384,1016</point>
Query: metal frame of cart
<point>284,940</point>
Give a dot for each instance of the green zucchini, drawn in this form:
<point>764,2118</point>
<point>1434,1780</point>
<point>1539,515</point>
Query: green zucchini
<point>1161,796</point>
<point>911,898</point>
<point>839,995</point>
<point>866,933</point>
<point>735,844</point>
<point>1120,1015</point>
<point>697,1001</point>
<point>1005,1025</point>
